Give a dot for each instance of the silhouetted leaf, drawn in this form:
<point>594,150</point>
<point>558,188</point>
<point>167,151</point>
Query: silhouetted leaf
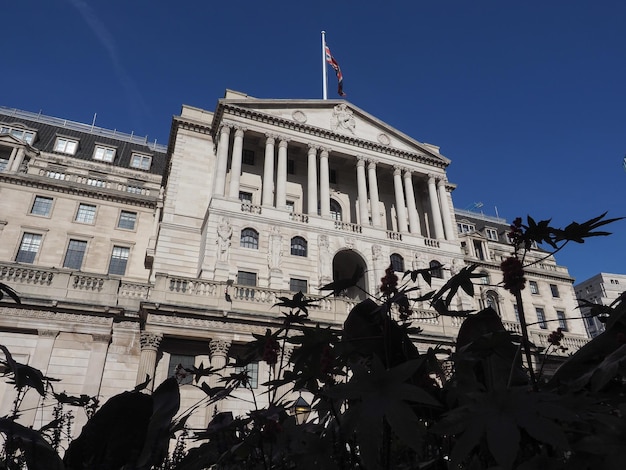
<point>342,284</point>
<point>4,289</point>
<point>39,455</point>
<point>298,302</point>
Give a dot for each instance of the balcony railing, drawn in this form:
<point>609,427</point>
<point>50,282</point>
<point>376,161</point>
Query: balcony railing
<point>347,226</point>
<point>24,274</point>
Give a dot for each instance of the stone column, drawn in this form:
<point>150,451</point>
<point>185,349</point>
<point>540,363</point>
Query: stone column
<point>19,157</point>
<point>374,200</point>
<point>235,166</point>
<point>218,349</point>
<point>445,210</point>
<point>414,221</point>
<point>312,181</point>
<point>362,190</point>
<point>11,160</point>
<point>434,207</point>
<point>93,375</point>
<point>222,161</point>
<point>39,360</point>
<point>400,208</point>
<point>150,343</point>
<point>281,175</point>
<point>268,171</point>
<point>324,184</point>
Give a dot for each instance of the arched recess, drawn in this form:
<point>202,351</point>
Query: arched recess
<point>345,263</point>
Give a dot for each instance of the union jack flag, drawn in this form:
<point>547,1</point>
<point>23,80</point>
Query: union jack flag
<point>333,63</point>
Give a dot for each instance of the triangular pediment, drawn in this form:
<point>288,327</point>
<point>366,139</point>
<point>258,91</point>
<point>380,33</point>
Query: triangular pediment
<point>338,118</point>
<point>12,140</point>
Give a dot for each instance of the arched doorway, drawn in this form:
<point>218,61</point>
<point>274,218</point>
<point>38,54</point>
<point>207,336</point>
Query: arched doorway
<point>345,263</point>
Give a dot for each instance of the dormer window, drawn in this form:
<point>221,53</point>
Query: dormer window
<point>492,234</point>
<point>465,227</point>
<point>26,136</point>
<point>105,154</point>
<point>65,145</point>
<point>140,161</point>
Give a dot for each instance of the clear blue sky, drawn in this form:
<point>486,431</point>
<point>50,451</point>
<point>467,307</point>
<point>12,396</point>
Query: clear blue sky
<point>527,99</point>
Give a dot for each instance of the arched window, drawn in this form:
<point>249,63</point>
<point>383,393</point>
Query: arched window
<point>491,300</point>
<point>435,269</point>
<point>397,262</point>
<point>484,278</point>
<point>298,246</point>
<point>249,238</point>
<point>335,210</point>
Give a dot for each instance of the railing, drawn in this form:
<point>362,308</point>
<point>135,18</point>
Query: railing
<point>247,206</point>
<point>391,235</point>
<point>78,126</point>
<point>128,188</point>
<point>87,282</point>
<point>304,218</point>
<point>347,226</point>
<point>134,290</point>
<point>431,242</point>
<point>26,274</point>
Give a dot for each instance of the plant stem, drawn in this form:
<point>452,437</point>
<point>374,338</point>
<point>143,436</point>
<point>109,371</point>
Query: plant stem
<point>525,340</point>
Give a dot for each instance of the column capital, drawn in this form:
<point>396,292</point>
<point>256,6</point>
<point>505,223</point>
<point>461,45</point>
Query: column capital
<point>219,347</point>
<point>225,128</point>
<point>407,172</point>
<point>441,182</point>
<point>313,147</point>
<point>431,177</point>
<point>325,150</point>
<point>270,137</point>
<point>284,141</point>
<point>149,340</point>
<point>360,160</point>
<point>371,162</point>
<point>48,333</point>
<point>239,130</point>
<point>397,170</point>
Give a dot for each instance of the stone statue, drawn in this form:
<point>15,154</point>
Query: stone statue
<point>418,261</point>
<point>276,250</point>
<point>342,118</point>
<point>325,261</point>
<point>224,236</point>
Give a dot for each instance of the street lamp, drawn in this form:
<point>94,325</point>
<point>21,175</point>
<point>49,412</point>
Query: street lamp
<point>301,410</point>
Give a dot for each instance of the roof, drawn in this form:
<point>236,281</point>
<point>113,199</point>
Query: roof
<point>49,128</point>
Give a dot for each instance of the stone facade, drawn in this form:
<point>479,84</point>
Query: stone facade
<point>603,289</point>
<point>255,200</point>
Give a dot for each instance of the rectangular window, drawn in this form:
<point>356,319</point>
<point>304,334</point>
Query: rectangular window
<point>245,278</point>
<point>492,234</point>
<point>541,318</point>
<point>534,288</point>
<point>4,163</point>
<point>298,285</point>
<point>127,220</point>
<point>178,364</point>
<point>516,310</point>
<point>247,157</point>
<point>245,196</point>
<point>96,183</point>
<point>28,248</point>
<point>555,290</point>
<point>106,154</point>
<point>75,254</point>
<point>64,145</point>
<point>133,189</point>
<point>119,258</point>
<point>291,206</point>
<point>142,162</point>
<point>478,250</point>
<point>86,214</point>
<point>465,228</point>
<point>42,206</point>
<point>291,167</point>
<point>252,370</point>
<point>562,321</point>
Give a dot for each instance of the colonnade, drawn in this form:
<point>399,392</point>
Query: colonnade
<point>408,220</point>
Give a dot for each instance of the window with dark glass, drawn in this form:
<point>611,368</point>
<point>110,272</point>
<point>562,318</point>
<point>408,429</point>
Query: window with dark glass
<point>335,210</point>
<point>397,262</point>
<point>245,196</point>
<point>298,285</point>
<point>178,365</point>
<point>127,220</point>
<point>119,259</point>
<point>541,318</point>
<point>75,254</point>
<point>562,320</point>
<point>29,247</point>
<point>435,269</point>
<point>140,161</point>
<point>534,287</point>
<point>555,290</point>
<point>249,238</point>
<point>246,278</point>
<point>298,246</point>
<point>247,157</point>
<point>42,206</point>
<point>252,370</point>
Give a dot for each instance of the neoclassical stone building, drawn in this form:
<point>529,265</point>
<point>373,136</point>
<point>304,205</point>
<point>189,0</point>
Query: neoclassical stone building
<point>254,200</point>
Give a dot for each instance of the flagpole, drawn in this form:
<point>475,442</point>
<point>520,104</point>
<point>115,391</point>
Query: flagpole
<point>324,80</point>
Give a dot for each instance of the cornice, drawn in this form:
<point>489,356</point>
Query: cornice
<point>50,184</point>
<point>303,128</point>
<point>191,125</point>
<point>49,315</point>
